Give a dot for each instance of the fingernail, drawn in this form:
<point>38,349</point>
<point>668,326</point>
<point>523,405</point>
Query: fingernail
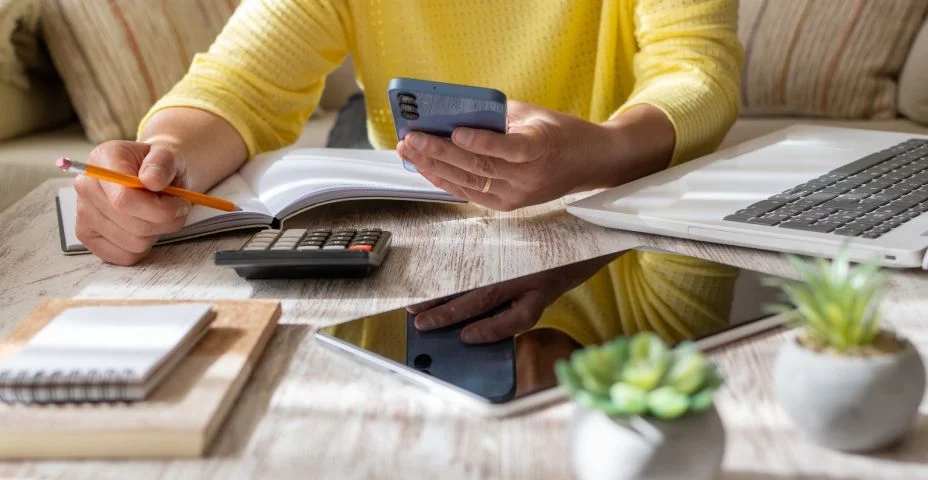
<point>416,141</point>
<point>153,169</point>
<point>424,322</point>
<point>182,211</point>
<point>463,136</point>
<point>470,336</point>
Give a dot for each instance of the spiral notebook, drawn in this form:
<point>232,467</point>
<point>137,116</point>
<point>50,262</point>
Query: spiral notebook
<point>178,418</point>
<point>102,353</point>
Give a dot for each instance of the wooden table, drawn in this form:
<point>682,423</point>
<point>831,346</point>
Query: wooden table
<point>309,413</point>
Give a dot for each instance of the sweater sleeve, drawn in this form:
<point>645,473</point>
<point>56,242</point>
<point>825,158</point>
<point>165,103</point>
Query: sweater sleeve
<point>688,65</point>
<point>265,72</point>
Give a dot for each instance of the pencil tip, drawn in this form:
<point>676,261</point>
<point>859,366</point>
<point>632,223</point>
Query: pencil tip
<point>238,209</point>
<point>63,163</point>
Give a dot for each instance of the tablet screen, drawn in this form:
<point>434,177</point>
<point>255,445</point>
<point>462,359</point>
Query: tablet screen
<point>500,342</point>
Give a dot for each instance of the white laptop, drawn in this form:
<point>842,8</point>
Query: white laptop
<point>804,189</point>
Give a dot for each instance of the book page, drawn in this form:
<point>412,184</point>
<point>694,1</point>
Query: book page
<point>290,180</point>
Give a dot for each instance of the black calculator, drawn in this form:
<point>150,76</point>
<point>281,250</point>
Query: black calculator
<point>306,253</point>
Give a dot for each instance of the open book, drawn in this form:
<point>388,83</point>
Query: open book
<point>275,186</point>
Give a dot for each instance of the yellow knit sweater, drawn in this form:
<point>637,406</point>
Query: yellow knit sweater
<point>590,58</point>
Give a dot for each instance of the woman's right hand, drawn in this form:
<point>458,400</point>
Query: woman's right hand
<point>120,224</point>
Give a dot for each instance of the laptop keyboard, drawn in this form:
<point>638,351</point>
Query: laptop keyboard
<point>866,198</point>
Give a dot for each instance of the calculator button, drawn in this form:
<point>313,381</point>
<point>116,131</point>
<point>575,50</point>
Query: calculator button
<point>283,247</point>
<point>363,230</point>
<point>296,233</point>
<point>333,247</point>
<point>361,248</point>
<point>346,231</point>
<point>366,237</point>
<point>254,248</point>
<point>303,248</point>
<point>364,242</point>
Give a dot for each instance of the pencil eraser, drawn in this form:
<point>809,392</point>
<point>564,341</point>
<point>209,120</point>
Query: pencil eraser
<point>63,163</point>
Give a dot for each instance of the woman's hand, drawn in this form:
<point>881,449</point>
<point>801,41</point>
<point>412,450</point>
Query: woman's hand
<point>120,224</point>
<point>543,156</point>
<point>529,297</point>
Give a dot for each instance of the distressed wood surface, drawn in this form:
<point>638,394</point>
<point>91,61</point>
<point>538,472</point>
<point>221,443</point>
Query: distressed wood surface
<point>309,413</point>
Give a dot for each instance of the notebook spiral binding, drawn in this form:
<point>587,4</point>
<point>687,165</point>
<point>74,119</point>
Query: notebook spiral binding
<point>64,387</point>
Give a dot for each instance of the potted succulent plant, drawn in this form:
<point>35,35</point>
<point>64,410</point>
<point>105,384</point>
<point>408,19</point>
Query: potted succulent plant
<point>644,411</point>
<point>846,382</point>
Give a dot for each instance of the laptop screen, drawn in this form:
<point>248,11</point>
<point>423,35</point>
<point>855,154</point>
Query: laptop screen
<point>500,342</point>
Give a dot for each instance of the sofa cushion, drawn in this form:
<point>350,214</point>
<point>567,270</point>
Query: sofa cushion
<point>31,95</point>
<point>825,58</point>
<point>27,162</point>
<point>117,58</point>
<point>913,94</point>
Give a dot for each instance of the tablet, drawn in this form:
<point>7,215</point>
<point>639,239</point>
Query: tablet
<point>526,324</point>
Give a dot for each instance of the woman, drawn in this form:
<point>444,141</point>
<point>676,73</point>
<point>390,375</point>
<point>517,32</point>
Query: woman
<point>606,91</point>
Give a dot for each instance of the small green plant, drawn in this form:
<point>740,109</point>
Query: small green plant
<point>640,375</point>
<point>834,302</point>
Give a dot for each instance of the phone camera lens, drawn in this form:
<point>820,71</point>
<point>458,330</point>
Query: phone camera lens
<point>408,108</point>
<point>406,98</point>
<point>422,361</point>
<point>410,115</point>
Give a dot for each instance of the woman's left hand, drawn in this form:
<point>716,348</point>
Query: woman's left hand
<point>545,155</point>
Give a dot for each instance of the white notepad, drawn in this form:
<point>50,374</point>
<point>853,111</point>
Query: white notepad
<point>107,353</point>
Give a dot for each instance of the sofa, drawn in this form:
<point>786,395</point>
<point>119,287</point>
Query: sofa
<point>886,59</point>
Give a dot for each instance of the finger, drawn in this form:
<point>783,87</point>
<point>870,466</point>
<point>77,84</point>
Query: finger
<point>520,145</point>
<point>448,172</point>
<point>159,169</point>
<point>90,189</point>
<point>421,307</point>
<point>520,317</point>
<point>466,306</point>
<point>89,215</point>
<point>109,252</point>
<point>431,147</point>
<point>149,206</point>
<point>505,201</point>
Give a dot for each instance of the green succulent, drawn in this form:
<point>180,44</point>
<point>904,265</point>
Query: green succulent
<point>834,302</point>
<point>640,375</point>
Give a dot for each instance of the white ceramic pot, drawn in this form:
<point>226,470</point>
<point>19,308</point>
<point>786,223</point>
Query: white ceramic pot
<point>603,448</point>
<point>849,403</point>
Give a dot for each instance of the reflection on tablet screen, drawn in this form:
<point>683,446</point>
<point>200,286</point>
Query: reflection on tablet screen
<point>516,330</point>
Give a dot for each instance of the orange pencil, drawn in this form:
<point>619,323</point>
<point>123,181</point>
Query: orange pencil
<point>100,173</point>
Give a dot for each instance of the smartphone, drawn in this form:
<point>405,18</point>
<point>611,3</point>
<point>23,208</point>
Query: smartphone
<point>438,108</point>
<point>487,370</point>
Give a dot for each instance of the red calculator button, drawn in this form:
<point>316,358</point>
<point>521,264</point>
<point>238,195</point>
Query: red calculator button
<point>361,248</point>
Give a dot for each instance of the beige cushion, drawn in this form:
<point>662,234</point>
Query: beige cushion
<point>913,81</point>
<point>118,58</point>
<point>825,58</point>
<point>747,128</point>
<point>31,96</point>
<point>27,162</point>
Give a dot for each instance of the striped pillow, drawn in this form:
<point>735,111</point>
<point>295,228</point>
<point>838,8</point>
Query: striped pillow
<point>117,57</point>
<point>828,58</point>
